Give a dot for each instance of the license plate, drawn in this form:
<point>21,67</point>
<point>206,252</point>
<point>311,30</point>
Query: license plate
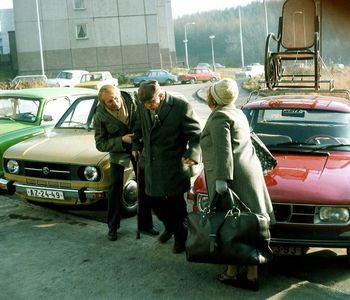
<point>45,194</point>
<point>282,250</point>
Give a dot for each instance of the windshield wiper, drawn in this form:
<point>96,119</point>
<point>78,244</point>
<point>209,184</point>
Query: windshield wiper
<point>292,143</point>
<point>324,147</point>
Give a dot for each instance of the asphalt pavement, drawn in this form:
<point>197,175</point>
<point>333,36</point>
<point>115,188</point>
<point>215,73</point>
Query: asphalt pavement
<point>49,254</point>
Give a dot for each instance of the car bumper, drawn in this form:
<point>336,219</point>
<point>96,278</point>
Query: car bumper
<point>6,186</point>
<point>70,196</point>
<point>328,239</point>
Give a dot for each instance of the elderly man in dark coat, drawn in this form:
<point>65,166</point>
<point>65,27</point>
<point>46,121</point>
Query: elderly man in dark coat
<point>170,132</point>
<point>113,122</point>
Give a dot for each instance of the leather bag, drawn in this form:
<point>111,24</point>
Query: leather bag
<point>268,162</point>
<point>236,236</point>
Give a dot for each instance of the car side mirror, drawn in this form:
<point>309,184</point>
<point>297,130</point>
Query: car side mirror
<point>47,118</point>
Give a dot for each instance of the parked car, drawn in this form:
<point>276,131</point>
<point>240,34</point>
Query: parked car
<point>67,78</point>
<point>63,166</point>
<point>95,80</point>
<point>29,112</point>
<point>310,191</point>
<point>195,75</point>
<point>162,76</point>
<point>219,66</point>
<point>40,79</point>
<point>250,71</point>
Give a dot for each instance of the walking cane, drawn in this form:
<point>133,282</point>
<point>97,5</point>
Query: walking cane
<point>139,187</point>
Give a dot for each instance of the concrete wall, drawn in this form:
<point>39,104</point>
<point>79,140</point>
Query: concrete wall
<point>122,35</point>
<point>6,25</point>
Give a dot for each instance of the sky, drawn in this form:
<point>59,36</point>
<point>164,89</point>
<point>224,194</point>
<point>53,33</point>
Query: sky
<point>181,7</point>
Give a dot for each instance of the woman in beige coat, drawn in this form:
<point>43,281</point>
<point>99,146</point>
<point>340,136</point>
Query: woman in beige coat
<point>229,160</point>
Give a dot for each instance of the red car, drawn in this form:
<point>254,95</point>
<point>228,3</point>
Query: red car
<point>310,187</point>
<point>198,74</point>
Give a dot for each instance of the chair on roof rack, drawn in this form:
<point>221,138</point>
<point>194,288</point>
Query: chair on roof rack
<point>297,40</point>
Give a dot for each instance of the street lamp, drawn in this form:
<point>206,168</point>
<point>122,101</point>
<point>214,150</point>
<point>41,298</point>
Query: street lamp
<point>185,41</point>
<point>212,37</point>
<point>40,41</point>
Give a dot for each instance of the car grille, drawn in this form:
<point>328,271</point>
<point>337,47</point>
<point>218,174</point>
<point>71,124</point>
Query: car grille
<point>50,170</point>
<point>294,213</point>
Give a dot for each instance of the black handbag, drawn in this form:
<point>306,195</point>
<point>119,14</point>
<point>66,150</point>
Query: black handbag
<point>237,236</point>
<point>268,162</point>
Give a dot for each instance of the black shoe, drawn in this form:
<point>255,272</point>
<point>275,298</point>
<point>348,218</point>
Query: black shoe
<point>152,231</point>
<point>239,281</point>
<point>165,236</point>
<point>112,235</point>
<point>179,247</point>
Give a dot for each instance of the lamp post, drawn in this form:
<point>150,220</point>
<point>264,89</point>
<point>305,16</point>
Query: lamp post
<point>241,35</point>
<point>185,41</point>
<point>212,37</point>
<point>40,41</point>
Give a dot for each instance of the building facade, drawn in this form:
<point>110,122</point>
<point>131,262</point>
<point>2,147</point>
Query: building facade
<point>6,25</point>
<point>116,35</point>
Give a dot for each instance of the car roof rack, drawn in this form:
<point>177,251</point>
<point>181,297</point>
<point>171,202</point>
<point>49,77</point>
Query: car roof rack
<point>264,92</point>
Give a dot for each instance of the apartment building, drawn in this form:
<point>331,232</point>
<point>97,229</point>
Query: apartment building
<point>6,25</point>
<point>116,35</point>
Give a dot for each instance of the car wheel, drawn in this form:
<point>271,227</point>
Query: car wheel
<point>183,82</point>
<point>192,81</point>
<point>168,82</point>
<point>213,79</point>
<point>129,205</point>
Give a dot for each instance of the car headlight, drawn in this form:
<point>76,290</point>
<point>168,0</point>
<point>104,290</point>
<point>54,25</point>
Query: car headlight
<point>12,166</point>
<point>329,214</point>
<point>90,173</point>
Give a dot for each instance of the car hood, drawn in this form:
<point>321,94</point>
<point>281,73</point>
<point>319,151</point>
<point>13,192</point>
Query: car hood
<point>318,178</point>
<point>71,146</point>
<point>8,127</point>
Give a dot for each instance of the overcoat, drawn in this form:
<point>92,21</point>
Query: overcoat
<point>174,134</point>
<point>228,154</point>
<point>109,131</point>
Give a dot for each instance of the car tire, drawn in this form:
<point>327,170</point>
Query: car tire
<point>168,82</point>
<point>213,79</point>
<point>129,204</point>
<point>183,82</point>
<point>192,81</point>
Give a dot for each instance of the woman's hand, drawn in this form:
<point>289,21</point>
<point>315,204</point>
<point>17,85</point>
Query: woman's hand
<point>221,186</point>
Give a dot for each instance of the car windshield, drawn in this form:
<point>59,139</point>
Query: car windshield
<point>65,75</point>
<point>19,109</point>
<point>317,129</point>
<point>79,115</point>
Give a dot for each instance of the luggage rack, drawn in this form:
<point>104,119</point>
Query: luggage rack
<point>327,84</point>
<point>265,92</point>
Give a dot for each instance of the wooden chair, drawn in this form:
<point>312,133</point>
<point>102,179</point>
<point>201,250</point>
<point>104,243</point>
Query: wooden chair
<point>298,40</point>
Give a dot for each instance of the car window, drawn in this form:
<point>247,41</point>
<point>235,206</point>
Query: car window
<point>78,115</point>
<point>54,109</point>
<point>301,125</point>
<point>64,75</point>
<point>19,109</point>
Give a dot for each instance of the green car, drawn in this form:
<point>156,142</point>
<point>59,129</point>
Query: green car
<point>30,112</point>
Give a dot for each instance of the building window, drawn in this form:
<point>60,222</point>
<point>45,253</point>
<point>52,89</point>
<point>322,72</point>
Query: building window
<point>81,31</point>
<point>78,4</point>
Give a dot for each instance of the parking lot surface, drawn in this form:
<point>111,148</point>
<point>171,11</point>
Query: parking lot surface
<point>49,254</point>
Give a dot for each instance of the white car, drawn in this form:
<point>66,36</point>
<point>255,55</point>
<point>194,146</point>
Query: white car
<point>250,71</point>
<point>67,78</point>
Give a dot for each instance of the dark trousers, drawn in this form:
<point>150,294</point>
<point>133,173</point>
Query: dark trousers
<point>115,196</point>
<point>172,212</point>
<point>144,213</point>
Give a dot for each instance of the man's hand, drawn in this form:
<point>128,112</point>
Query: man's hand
<point>136,154</point>
<point>188,161</point>
<point>127,139</point>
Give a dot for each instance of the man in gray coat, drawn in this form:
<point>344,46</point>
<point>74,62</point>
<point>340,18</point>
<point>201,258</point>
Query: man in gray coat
<point>170,132</point>
<point>113,122</point>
